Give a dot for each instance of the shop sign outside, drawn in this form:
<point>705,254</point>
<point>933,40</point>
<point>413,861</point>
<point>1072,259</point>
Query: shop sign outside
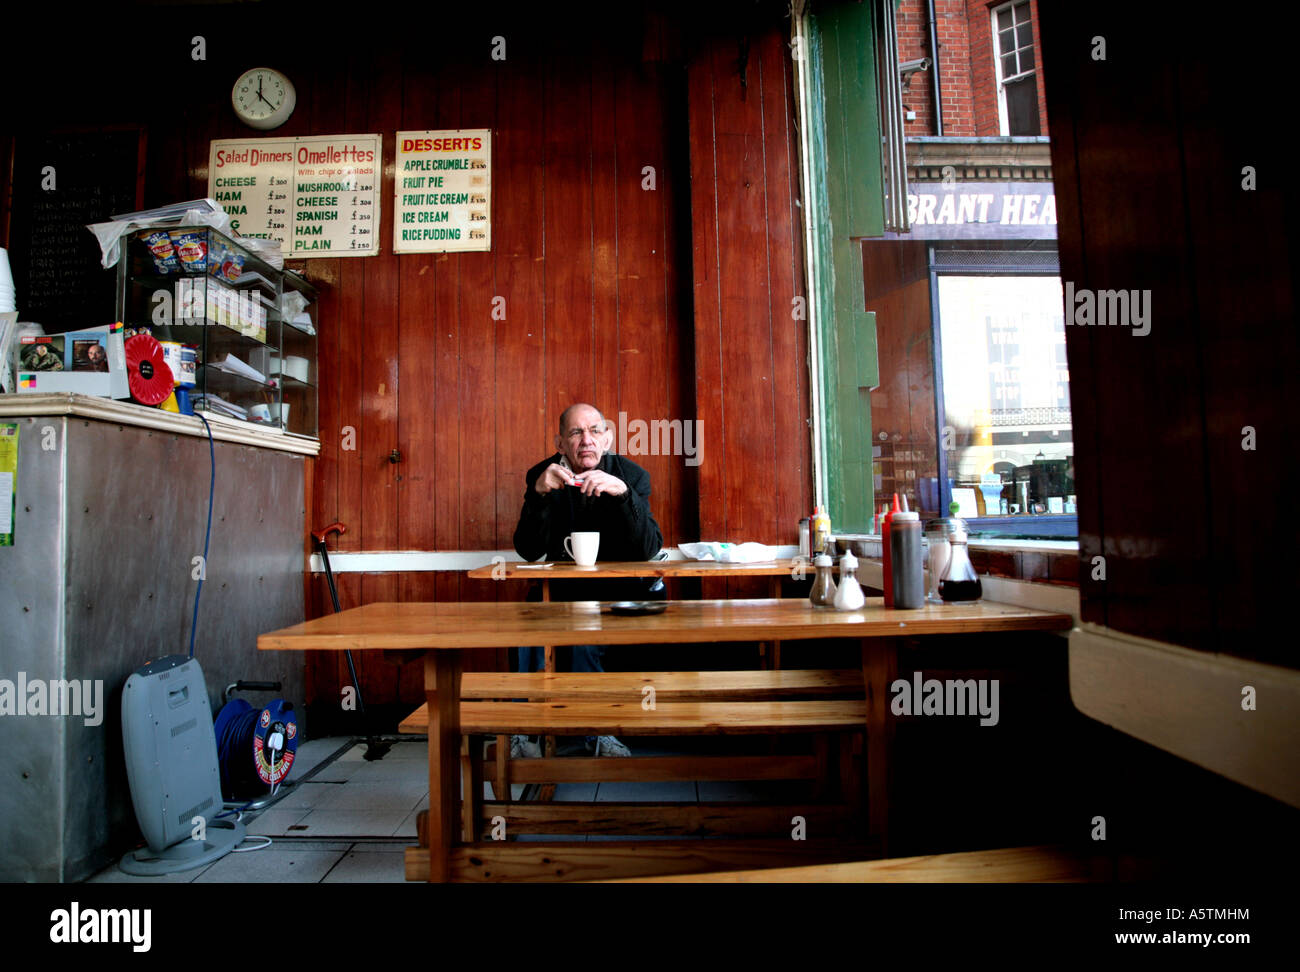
<point>980,211</point>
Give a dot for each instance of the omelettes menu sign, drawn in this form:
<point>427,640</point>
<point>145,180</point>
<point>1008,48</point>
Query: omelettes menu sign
<point>316,196</point>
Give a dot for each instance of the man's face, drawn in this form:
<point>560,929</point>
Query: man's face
<point>95,353</point>
<point>584,439</point>
<point>41,350</point>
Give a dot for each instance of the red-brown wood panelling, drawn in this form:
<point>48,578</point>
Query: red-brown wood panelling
<point>750,345</point>
<point>1183,502</point>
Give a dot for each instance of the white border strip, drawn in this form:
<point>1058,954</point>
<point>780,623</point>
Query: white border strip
<point>409,561</point>
<point>1189,703</point>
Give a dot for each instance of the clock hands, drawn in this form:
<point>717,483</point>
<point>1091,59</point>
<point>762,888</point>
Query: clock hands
<point>259,92</point>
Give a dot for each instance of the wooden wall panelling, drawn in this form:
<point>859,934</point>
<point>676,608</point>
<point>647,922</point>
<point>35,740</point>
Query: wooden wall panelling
<point>706,287</point>
<point>444,393</point>
<point>664,122</point>
<point>427,281</point>
<point>521,177</point>
<point>644,367</point>
<point>749,463</point>
<point>376,343</point>
<point>605,286</point>
<point>477,428</point>
<point>789,344</point>
<point>675,185</point>
<point>1142,401</point>
<point>325,674</point>
<point>420,320</point>
<point>570,322</point>
<point>478,283</point>
<point>1236,245</point>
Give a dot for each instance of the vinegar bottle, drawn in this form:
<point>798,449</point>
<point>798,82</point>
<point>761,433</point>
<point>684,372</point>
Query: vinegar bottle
<point>959,582</point>
<point>823,589</point>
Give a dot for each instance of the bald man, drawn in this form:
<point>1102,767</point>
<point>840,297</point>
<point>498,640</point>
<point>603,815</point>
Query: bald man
<point>585,487</point>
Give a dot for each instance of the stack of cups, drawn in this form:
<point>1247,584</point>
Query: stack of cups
<point>7,296</point>
<point>7,304</point>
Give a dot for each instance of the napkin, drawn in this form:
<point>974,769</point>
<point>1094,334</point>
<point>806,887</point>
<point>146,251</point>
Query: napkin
<point>728,553</point>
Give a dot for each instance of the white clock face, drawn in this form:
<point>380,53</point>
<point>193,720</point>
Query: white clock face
<point>263,98</point>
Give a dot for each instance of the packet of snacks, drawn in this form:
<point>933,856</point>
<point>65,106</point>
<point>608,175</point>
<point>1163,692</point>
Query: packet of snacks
<point>192,248</point>
<point>160,245</point>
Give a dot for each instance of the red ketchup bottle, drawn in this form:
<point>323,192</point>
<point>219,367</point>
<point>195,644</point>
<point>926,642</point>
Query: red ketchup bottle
<point>884,553</point>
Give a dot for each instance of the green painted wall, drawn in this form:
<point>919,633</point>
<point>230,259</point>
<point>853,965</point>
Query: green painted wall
<point>847,202</point>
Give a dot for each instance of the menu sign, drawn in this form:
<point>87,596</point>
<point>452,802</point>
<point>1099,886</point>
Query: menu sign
<point>443,191</point>
<point>316,196</point>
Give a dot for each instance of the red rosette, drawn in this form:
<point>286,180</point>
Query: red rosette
<point>148,376</point>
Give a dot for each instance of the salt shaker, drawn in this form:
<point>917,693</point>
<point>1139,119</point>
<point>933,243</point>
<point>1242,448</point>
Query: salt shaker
<point>849,597</point>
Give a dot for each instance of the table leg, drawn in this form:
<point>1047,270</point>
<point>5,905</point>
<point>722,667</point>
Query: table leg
<point>546,792</point>
<point>879,669</point>
<point>442,691</point>
<point>471,783</point>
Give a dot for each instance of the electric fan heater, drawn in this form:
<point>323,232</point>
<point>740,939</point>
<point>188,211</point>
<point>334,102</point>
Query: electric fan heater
<point>171,765</point>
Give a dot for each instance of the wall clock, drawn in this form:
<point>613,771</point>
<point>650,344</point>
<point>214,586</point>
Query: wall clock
<point>263,98</point>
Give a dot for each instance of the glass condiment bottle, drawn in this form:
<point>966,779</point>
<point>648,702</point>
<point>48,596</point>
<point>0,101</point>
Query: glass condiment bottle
<point>823,589</point>
<point>849,597</point>
<point>937,532</point>
<point>958,581</point>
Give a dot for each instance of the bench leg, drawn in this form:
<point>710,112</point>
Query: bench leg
<point>502,785</point>
<point>850,785</point>
<point>471,781</point>
<point>879,668</point>
<point>442,692</point>
<point>822,753</point>
<point>546,792</point>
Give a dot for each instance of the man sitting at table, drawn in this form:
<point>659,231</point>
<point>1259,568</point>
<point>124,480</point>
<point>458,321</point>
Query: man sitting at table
<point>585,487</point>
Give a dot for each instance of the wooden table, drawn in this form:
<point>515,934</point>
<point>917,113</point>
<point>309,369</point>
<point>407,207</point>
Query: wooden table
<point>774,570</point>
<point>445,629</point>
<point>663,569</point>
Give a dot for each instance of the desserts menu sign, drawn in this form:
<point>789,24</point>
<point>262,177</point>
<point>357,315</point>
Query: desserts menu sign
<point>442,183</point>
<point>316,196</point>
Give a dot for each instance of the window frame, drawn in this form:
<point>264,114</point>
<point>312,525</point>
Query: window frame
<point>1061,526</point>
<point>1004,122</point>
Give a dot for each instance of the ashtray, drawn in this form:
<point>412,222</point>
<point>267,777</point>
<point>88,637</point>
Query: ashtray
<point>639,607</point>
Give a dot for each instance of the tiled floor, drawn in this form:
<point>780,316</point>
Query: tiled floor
<point>350,820</point>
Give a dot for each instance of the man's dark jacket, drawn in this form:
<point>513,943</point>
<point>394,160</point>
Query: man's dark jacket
<point>627,528</point>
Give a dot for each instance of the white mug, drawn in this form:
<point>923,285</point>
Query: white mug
<point>584,548</point>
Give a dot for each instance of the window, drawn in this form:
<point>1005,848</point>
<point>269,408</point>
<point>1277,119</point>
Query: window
<point>1013,59</point>
<point>1007,454</point>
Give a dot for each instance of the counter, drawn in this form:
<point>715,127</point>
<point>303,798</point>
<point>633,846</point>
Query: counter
<point>111,509</point>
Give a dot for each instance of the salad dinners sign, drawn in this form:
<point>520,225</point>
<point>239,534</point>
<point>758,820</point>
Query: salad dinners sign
<point>442,184</point>
<point>316,196</point>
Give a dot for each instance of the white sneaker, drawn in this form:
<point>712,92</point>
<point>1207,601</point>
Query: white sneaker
<point>610,746</point>
<point>521,747</point>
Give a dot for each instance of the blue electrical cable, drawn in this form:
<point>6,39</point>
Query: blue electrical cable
<point>212,486</point>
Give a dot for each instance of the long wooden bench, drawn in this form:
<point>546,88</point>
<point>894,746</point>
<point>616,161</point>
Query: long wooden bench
<point>1003,865</point>
<point>772,702</point>
<point>668,686</point>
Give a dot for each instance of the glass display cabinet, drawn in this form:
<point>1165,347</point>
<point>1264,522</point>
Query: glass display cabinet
<point>251,328</point>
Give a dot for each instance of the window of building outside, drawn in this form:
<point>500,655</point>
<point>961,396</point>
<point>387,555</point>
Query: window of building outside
<point>1013,45</point>
<point>1005,403</point>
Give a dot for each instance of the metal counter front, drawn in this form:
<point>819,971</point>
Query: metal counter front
<point>101,578</point>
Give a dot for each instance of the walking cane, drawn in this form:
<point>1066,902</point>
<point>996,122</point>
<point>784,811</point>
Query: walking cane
<point>374,748</point>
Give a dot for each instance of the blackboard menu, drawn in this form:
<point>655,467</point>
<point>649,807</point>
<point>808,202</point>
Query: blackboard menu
<point>61,183</point>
